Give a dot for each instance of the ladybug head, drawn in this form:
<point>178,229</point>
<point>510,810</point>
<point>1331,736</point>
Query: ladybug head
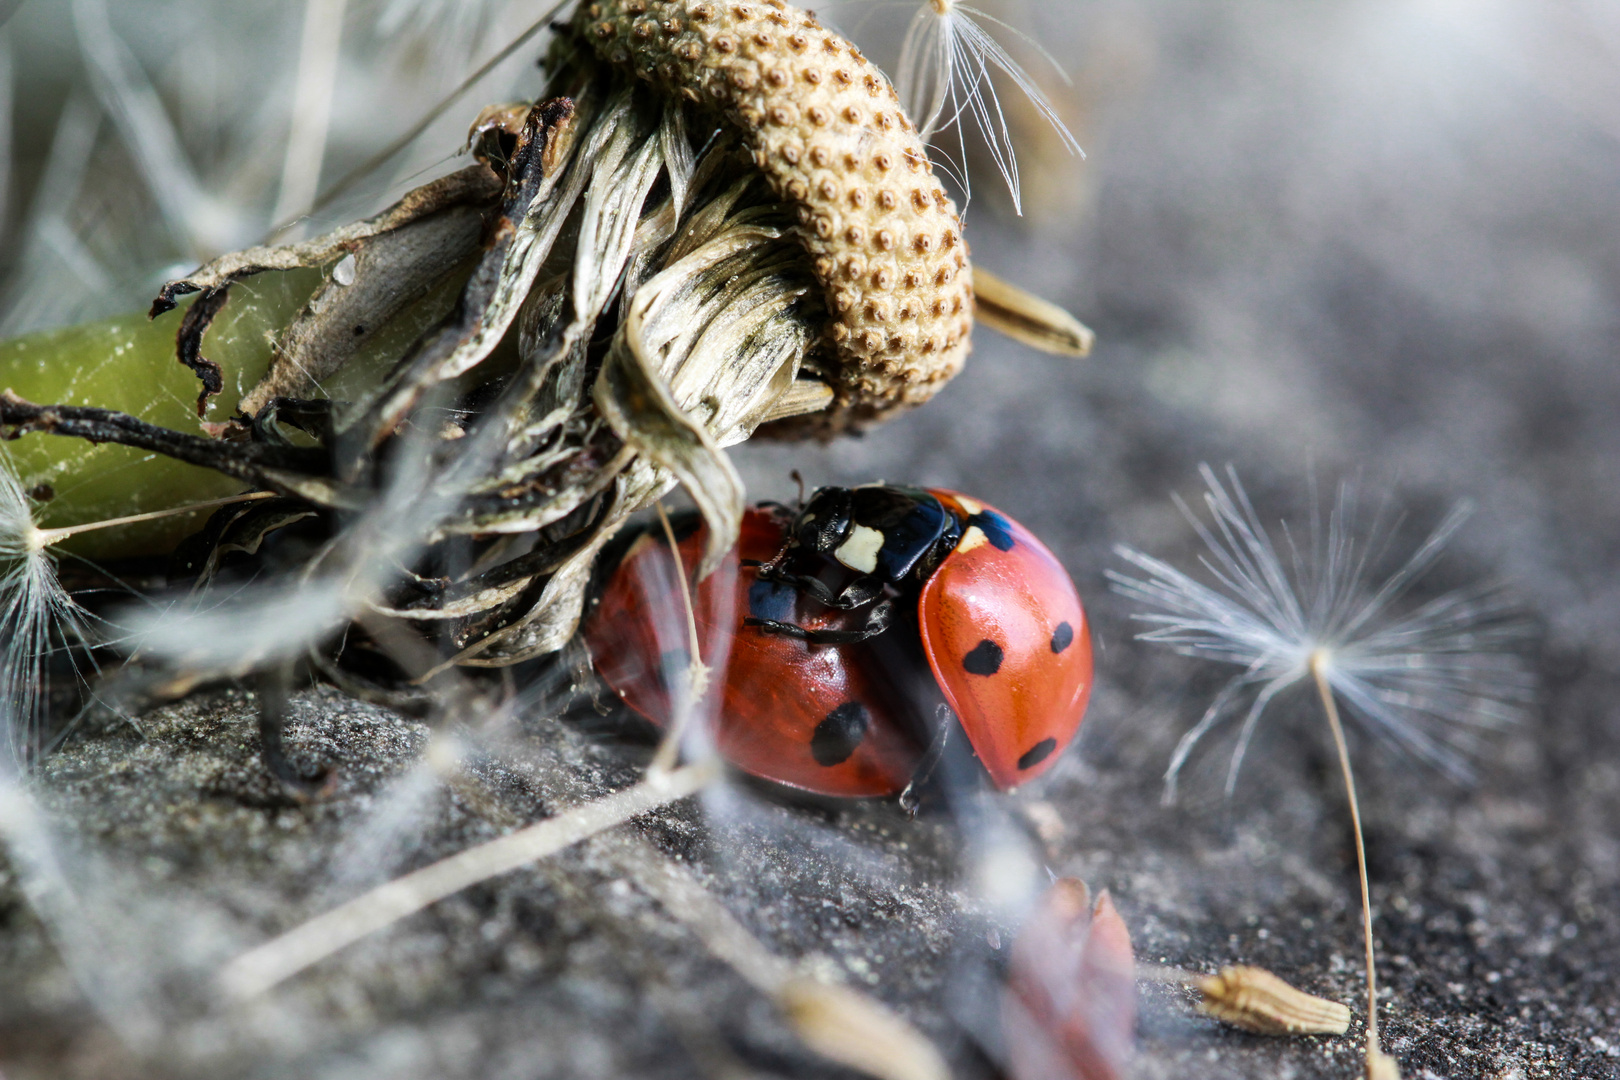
<point>824,522</point>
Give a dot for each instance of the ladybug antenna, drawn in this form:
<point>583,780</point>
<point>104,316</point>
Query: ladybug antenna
<point>798,478</point>
<point>771,569</point>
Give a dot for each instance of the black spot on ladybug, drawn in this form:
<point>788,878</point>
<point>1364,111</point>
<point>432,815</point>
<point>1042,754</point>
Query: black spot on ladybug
<point>771,600</point>
<point>996,529</point>
<point>985,659</point>
<point>1037,753</point>
<point>837,736</point>
<point>1062,637</point>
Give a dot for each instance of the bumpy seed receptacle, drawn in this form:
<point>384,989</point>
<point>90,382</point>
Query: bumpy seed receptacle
<point>828,130</point>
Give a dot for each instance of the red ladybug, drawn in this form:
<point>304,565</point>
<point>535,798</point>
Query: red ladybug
<point>820,691</point>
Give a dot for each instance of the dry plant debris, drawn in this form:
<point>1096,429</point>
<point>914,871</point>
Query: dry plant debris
<point>719,218</point>
<point>1255,1000</point>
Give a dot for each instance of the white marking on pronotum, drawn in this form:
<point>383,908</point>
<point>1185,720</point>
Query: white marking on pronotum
<point>860,551</point>
<point>972,539</point>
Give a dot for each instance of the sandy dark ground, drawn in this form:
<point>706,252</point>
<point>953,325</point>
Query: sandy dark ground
<point>1375,240</point>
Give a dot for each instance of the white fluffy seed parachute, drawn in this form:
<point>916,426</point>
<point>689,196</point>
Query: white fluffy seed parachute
<point>36,609</point>
<point>1429,680</point>
<point>946,78</point>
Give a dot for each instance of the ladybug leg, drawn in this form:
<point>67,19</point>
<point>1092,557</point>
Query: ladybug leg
<point>858,593</point>
<point>876,622</point>
<point>772,568</point>
<point>911,797</point>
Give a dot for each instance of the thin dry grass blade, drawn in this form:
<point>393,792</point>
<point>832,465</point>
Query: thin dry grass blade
<point>279,959</point>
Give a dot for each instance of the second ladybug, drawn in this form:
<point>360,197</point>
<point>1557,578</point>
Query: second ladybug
<point>846,622</point>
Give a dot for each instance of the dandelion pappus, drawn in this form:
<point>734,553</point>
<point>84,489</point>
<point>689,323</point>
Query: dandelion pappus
<point>831,606</point>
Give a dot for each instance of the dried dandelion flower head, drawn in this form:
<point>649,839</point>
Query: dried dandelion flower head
<point>1429,680</point>
<point>829,134</point>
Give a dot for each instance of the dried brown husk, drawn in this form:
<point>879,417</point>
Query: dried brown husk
<point>1255,1000</point>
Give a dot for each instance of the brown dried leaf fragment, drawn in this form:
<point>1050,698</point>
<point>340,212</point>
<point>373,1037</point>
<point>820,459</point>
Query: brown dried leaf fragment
<point>1255,1000</point>
<point>390,272</point>
<point>470,189</point>
<point>475,185</point>
<point>1069,1011</point>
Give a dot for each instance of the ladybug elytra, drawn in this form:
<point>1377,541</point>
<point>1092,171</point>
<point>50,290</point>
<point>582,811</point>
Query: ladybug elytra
<point>844,621</point>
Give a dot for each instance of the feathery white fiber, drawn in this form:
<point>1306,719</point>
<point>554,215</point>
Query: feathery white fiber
<point>200,221</point>
<point>945,79</point>
<point>1429,680</point>
<point>33,605</point>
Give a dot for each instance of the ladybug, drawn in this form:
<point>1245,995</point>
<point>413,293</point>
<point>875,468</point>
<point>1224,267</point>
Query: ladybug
<point>844,622</point>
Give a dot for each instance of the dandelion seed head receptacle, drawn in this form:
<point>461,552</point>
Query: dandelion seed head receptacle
<point>1429,680</point>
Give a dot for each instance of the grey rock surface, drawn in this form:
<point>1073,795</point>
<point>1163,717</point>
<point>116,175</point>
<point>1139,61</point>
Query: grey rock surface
<point>1374,241</point>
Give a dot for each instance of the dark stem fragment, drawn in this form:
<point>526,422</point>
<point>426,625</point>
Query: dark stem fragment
<point>273,687</point>
<point>256,463</point>
<point>188,342</point>
<point>413,375</point>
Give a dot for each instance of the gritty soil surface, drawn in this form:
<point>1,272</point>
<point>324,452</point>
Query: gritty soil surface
<point>1310,238</point>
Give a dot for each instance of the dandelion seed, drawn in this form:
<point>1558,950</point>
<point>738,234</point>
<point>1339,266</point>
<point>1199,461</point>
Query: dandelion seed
<point>945,80</point>
<point>1429,681</point>
<point>1255,1000</point>
<point>34,606</point>
<point>1426,680</point>
<point>37,611</point>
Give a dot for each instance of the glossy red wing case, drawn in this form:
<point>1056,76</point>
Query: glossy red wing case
<point>1007,639</point>
<point>816,717</point>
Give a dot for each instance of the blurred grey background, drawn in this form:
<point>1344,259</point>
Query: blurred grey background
<point>1374,239</point>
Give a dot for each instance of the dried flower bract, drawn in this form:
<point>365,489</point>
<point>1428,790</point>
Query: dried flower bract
<point>1256,1000</point>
